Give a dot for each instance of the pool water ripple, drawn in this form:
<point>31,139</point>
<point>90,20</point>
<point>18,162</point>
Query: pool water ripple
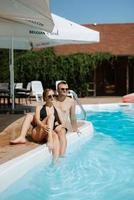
<point>100,169</point>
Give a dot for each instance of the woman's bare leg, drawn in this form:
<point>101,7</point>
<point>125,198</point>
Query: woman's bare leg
<point>39,133</point>
<point>56,147</point>
<point>50,122</point>
<point>24,129</point>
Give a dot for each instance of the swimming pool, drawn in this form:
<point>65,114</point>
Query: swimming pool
<point>100,169</point>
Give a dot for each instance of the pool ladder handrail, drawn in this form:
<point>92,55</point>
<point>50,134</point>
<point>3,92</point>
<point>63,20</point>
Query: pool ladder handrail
<point>73,94</point>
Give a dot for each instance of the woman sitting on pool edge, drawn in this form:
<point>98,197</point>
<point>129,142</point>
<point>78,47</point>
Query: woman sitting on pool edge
<point>46,122</point>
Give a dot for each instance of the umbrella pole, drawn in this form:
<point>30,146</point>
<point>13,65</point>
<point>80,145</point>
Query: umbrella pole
<point>127,79</point>
<point>12,73</point>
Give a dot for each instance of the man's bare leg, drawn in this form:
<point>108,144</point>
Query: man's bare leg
<point>24,129</point>
<point>62,138</point>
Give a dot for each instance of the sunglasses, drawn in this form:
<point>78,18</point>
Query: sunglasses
<point>51,96</point>
<point>64,89</point>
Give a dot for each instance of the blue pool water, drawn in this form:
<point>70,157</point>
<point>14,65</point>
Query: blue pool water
<point>100,169</point>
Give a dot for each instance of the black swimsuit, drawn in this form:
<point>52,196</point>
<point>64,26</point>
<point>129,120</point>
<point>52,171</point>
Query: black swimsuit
<point>43,114</point>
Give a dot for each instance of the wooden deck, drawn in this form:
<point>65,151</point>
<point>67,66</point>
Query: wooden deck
<point>7,151</point>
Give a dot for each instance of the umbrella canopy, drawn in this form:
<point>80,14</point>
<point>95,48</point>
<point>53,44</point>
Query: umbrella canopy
<point>26,36</point>
<point>32,12</point>
<point>22,35</point>
<point>67,32</point>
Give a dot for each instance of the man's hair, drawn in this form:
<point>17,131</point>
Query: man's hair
<point>61,82</point>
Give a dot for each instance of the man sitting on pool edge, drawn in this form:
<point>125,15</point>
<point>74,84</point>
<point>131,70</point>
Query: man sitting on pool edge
<point>67,107</point>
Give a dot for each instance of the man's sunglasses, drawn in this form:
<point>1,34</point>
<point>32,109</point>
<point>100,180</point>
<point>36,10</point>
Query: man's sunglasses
<point>51,96</point>
<point>64,89</point>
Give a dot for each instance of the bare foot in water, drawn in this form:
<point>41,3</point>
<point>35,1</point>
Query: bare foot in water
<point>19,140</point>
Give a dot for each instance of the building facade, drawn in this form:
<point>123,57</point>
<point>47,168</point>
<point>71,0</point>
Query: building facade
<point>118,39</point>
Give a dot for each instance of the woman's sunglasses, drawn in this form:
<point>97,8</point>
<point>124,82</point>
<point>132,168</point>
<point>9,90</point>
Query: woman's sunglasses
<point>51,96</point>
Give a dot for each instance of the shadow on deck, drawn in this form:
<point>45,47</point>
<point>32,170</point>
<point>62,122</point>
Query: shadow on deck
<point>19,109</point>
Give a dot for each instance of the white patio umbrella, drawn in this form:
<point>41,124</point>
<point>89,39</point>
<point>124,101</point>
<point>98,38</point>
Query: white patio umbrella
<point>19,34</point>
<point>32,12</point>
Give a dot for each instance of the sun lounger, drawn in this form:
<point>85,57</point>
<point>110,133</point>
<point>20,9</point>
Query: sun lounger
<point>37,90</point>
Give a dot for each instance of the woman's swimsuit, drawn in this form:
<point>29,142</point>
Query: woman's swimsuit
<point>43,115</point>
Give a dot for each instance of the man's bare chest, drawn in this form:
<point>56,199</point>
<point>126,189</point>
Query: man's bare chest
<point>64,106</point>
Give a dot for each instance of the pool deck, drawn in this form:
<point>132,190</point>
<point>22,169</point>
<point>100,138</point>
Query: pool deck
<point>100,100</point>
<point>8,152</point>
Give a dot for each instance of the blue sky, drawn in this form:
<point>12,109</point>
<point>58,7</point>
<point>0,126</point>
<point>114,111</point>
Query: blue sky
<point>95,11</point>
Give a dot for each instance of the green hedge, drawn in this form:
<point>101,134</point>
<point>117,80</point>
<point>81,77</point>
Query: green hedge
<point>44,65</point>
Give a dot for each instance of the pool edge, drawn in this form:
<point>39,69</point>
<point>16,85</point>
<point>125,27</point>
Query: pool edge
<point>29,160</point>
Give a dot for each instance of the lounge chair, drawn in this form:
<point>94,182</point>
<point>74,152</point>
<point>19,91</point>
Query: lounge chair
<point>4,93</point>
<point>22,93</point>
<point>37,90</point>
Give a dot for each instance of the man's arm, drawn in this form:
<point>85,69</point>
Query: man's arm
<point>73,117</point>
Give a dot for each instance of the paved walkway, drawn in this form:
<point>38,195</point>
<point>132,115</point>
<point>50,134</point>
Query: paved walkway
<point>101,100</point>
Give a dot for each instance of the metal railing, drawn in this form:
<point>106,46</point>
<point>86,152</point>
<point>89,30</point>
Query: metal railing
<point>73,94</point>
